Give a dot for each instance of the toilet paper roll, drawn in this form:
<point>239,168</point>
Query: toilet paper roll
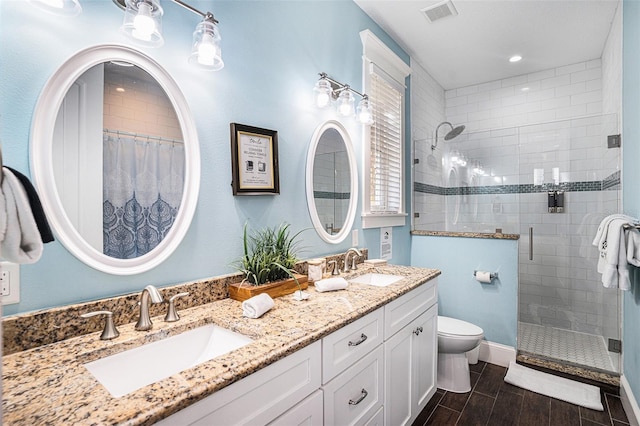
<point>483,276</point>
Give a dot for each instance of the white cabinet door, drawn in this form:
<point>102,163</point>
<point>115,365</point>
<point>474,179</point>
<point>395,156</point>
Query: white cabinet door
<point>307,413</point>
<point>410,369</point>
<point>424,362</point>
<point>398,378</point>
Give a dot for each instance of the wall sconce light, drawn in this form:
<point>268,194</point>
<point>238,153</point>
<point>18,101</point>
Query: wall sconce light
<point>59,7</point>
<point>328,89</point>
<point>143,23</point>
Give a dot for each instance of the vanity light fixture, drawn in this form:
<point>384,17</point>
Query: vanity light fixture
<point>59,7</point>
<point>143,23</point>
<point>328,89</point>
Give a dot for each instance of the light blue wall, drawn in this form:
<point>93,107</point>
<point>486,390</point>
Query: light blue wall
<point>493,307</point>
<point>272,50</point>
<point>630,179</point>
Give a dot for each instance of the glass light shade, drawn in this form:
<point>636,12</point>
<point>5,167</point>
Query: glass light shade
<point>143,22</point>
<point>322,91</point>
<point>346,103</point>
<point>364,112</point>
<point>59,7</point>
<point>205,51</point>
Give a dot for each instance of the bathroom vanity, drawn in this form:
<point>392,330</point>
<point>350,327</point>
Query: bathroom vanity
<point>360,355</point>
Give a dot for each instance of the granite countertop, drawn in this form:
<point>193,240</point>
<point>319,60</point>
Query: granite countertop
<point>50,385</point>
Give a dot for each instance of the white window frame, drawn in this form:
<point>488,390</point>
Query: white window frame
<point>378,58</point>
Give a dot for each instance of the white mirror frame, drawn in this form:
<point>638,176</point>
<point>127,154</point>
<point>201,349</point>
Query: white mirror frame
<point>313,212</point>
<point>41,154</point>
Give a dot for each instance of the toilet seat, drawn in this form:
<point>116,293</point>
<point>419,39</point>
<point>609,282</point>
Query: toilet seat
<point>452,327</point>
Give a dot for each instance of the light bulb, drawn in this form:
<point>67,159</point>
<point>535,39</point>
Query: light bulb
<point>322,91</point>
<point>143,22</point>
<point>365,115</point>
<point>206,50</point>
<point>345,103</point>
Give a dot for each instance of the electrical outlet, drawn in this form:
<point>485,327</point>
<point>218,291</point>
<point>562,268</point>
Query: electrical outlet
<point>10,282</point>
<point>354,238</point>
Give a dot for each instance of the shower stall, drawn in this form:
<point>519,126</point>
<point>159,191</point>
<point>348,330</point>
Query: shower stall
<point>551,183</point>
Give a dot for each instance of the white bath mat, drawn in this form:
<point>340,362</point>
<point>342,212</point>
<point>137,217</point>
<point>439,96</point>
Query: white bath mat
<point>556,387</point>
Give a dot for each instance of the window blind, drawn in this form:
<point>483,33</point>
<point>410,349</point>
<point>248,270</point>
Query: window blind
<point>386,147</point>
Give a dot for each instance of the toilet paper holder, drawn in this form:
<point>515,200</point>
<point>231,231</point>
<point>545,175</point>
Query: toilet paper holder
<point>492,275</point>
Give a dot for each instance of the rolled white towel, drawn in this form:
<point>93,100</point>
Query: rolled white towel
<point>257,305</point>
<point>330,284</point>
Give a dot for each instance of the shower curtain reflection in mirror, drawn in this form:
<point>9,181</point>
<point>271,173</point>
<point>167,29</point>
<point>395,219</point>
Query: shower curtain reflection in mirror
<point>142,189</point>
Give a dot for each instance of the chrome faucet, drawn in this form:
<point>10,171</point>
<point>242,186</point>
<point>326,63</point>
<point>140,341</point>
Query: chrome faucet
<point>353,260</point>
<point>144,322</point>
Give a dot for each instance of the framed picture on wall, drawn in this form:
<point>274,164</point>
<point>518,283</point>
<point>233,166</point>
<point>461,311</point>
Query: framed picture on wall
<point>254,160</point>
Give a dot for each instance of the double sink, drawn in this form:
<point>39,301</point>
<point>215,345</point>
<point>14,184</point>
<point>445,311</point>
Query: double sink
<point>127,371</point>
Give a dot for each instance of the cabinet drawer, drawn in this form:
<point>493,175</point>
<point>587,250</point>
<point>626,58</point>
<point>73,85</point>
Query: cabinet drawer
<point>408,307</point>
<point>260,397</point>
<point>377,419</point>
<point>343,347</point>
<point>307,413</point>
<point>353,397</point>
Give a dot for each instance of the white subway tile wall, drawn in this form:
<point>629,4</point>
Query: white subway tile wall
<point>427,111</point>
<point>138,105</point>
<point>525,135</point>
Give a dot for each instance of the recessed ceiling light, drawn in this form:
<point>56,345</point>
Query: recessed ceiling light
<point>525,89</point>
<point>515,58</point>
<point>120,89</point>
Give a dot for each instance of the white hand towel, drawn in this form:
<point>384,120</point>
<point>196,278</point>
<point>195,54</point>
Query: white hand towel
<point>257,305</point>
<point>615,270</point>
<point>330,284</point>
<point>633,247</point>
<point>20,240</point>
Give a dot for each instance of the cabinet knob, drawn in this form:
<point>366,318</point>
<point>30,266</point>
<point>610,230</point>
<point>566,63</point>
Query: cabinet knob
<point>418,330</point>
<point>363,337</point>
<point>363,395</point>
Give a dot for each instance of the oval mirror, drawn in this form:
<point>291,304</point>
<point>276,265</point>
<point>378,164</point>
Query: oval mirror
<point>115,157</point>
<point>332,182</point>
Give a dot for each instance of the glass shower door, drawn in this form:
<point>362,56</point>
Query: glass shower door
<point>569,182</point>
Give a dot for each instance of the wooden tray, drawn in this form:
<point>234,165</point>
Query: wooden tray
<point>244,291</point>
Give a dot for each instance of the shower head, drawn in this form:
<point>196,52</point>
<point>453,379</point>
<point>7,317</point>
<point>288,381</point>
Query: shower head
<point>454,132</point>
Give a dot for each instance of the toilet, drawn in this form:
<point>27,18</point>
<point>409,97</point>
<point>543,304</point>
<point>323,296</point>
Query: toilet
<point>455,339</point>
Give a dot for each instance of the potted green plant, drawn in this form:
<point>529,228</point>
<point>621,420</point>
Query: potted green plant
<point>267,263</point>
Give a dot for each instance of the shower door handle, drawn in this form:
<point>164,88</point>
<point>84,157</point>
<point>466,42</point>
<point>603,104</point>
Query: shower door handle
<point>531,243</point>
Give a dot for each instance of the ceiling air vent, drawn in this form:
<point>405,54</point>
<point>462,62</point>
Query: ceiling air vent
<point>439,10</point>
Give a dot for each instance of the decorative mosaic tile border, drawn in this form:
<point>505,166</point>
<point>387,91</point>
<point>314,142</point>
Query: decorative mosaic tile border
<point>611,182</point>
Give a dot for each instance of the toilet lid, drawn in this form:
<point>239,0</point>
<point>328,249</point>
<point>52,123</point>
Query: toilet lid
<point>456,327</point>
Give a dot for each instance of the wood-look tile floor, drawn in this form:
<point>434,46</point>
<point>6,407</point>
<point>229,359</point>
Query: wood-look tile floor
<point>493,402</point>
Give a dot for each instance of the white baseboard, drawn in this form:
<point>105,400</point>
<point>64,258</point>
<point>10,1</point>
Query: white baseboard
<point>629,402</point>
<point>495,353</point>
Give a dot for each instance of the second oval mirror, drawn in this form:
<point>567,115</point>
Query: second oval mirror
<point>332,182</point>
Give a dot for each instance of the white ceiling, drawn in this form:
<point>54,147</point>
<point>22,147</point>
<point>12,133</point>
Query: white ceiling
<point>474,46</point>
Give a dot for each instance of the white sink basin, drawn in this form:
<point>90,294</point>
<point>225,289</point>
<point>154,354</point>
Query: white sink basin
<point>127,371</point>
<point>379,280</point>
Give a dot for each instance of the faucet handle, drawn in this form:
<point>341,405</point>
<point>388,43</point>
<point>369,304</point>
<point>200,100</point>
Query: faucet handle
<point>110,331</point>
<point>172,314</point>
<point>335,270</point>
